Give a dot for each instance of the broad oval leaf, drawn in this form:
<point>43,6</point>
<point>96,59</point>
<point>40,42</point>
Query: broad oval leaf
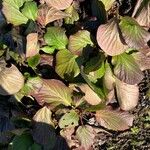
<point>142,60</point>
<point>11,79</point>
<point>52,92</point>
<point>128,95</point>
<point>109,38</point>
<point>69,119</point>
<point>90,96</point>
<point>17,18</point>
<point>66,64</point>
<point>78,41</point>
<point>73,14</point>
<point>44,115</point>
<point>108,4</point>
<point>59,4</point>
<point>56,37</point>
<point>126,69</point>
<point>49,14</point>
<point>86,135</point>
<point>142,13</point>
<point>23,141</point>
<point>30,10</point>
<point>114,120</point>
<point>135,35</point>
<point>32,46</point>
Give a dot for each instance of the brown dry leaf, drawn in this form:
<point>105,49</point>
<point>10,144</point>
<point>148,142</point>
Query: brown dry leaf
<point>109,38</point>
<point>11,79</point>
<point>59,4</point>
<point>114,120</point>
<point>49,14</point>
<point>32,47</point>
<point>128,95</point>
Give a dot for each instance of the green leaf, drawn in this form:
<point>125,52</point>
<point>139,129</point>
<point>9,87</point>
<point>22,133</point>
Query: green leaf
<point>73,15</point>
<point>69,119</point>
<point>52,92</point>
<point>12,7</point>
<point>48,49</point>
<point>35,147</point>
<point>44,115</point>
<point>86,135</point>
<point>23,141</point>
<point>34,61</point>
<point>56,37</point>
<point>135,35</point>
<point>114,120</point>
<point>108,4</point>
<point>9,76</point>
<point>78,41</point>
<point>98,11</point>
<point>110,39</point>
<point>126,69</point>
<point>30,10</point>
<point>66,64</point>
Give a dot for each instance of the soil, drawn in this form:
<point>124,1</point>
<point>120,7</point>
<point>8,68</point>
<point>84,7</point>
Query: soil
<point>137,137</point>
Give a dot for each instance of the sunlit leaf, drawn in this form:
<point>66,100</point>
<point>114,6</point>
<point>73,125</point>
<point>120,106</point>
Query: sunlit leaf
<point>142,13</point>
<point>66,64</point>
<point>85,135</point>
<point>49,14</point>
<point>69,119</point>
<point>114,120</point>
<point>142,60</point>
<point>12,13</point>
<point>44,115</point>
<point>9,78</point>
<point>48,49</point>
<point>30,10</point>
<point>59,4</point>
<point>108,4</point>
<point>135,36</point>
<point>56,37</point>
<point>52,92</point>
<point>78,41</point>
<point>90,96</point>
<point>23,141</point>
<point>126,69</point>
<point>73,15</point>
<point>128,95</point>
<point>32,47</point>
<point>109,38</point>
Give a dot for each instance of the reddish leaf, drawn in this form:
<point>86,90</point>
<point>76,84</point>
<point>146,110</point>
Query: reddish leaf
<point>49,14</point>
<point>109,38</point>
<point>32,47</point>
<point>114,120</point>
<point>59,4</point>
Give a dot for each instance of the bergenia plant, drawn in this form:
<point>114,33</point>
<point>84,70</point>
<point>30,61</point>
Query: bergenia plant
<point>61,65</point>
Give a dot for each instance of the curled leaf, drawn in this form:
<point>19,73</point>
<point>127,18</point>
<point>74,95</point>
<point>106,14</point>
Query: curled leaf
<point>128,95</point>
<point>109,38</point>
<point>11,79</point>
<point>114,120</point>
<point>32,47</point>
